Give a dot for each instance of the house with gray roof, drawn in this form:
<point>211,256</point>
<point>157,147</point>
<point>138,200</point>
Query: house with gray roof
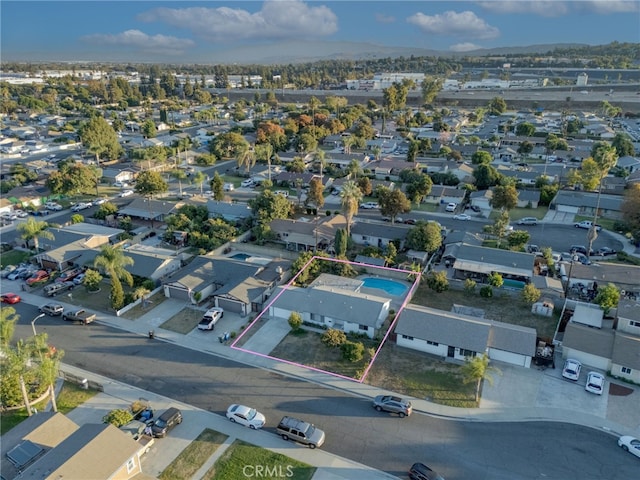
<point>441,194</point>
<point>333,307</point>
<point>477,263</point>
<point>149,209</point>
<point>152,265</point>
<point>112,175</point>
<point>458,336</point>
<point>378,234</point>
<point>299,235</point>
<point>231,212</point>
<point>585,203</point>
<point>528,198</point>
<point>629,163</point>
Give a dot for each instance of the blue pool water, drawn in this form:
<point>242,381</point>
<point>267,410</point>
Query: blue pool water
<point>390,286</point>
<point>240,256</point>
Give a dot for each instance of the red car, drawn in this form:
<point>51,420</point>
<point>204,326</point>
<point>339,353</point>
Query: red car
<point>9,298</point>
<point>38,276</point>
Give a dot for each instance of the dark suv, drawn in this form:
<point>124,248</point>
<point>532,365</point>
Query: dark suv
<point>165,422</point>
<point>392,404</point>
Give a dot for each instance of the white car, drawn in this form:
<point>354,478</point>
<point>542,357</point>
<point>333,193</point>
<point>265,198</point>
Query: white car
<point>284,193</point>
<point>246,416</point>
<point>369,205</point>
<point>99,201</point>
<point>571,369</point>
<point>451,207</point>
<point>56,207</point>
<point>21,213</point>
<point>78,279</point>
<point>586,224</point>
<point>121,184</point>
<point>462,216</point>
<point>630,444</point>
<point>126,193</point>
<point>10,217</point>
<point>595,383</point>
<point>210,318</point>
<point>80,206</point>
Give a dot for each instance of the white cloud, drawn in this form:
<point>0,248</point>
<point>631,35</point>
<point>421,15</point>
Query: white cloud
<point>464,47</point>
<point>142,41</point>
<point>464,24</point>
<point>558,8</point>
<point>382,18</point>
<point>278,19</point>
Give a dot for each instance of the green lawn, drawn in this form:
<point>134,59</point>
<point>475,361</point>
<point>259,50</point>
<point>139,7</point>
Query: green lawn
<point>518,213</point>
<point>606,223</point>
<point>191,459</point>
<point>241,459</point>
<point>14,257</point>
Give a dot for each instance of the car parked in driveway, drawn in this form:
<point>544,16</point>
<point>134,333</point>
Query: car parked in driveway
<point>166,422</point>
<point>51,309</point>
<point>69,275</point>
<point>38,276</point>
<point>245,416</point>
<point>126,193</point>
<point>571,369</point>
<point>528,221</point>
<point>630,444</point>
<point>451,207</point>
<point>210,318</point>
<point>79,279</point>
<point>393,404</point>
<point>595,383</point>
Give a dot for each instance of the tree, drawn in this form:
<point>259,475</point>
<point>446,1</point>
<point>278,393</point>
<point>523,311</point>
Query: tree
<point>264,151</point>
<point>315,194</point>
<point>334,337</point>
<point>48,361</point>
<point>590,174</point>
<point>105,210</point>
<point>499,227</point>
<point>32,230</point>
<point>199,178</point>
<point>113,261</point>
<point>419,188</point>
<point>76,218</point>
<point>497,106</point>
<point>481,157</point>
<point>623,145</point>
<point>437,281</point>
<point>8,319</point>
<point>217,187</point>
<point>495,279</point>
<point>149,183</point>
<point>354,169</point>
<point>476,369</point>
<point>425,237</point>
<point>525,129</point>
<point>73,178</point>
<point>470,285</point>
<point>365,186</point>
<point>341,242</point>
<point>246,156</point>
<point>504,197</point>
<point>630,209</point>
<point>350,196</point>
<point>149,129</point>
<point>92,279</point>
<point>265,208</point>
<point>530,294</point>
<point>608,297</point>
<point>100,138</point>
<point>352,351</point>
<point>295,321</point>
<point>518,238</point>
<point>486,176</point>
<point>179,175</point>
<point>392,203</point>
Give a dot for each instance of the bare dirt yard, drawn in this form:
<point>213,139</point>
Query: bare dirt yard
<point>183,321</point>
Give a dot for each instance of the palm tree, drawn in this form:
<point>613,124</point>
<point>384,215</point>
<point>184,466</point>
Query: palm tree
<point>247,157</point>
<point>113,261</point>
<point>264,151</point>
<point>318,158</point>
<point>179,175</point>
<point>347,142</point>
<point>198,179</point>
<point>476,369</point>
<point>376,152</point>
<point>351,196</point>
<point>34,229</point>
<point>606,157</point>
<point>354,168</point>
<point>49,364</point>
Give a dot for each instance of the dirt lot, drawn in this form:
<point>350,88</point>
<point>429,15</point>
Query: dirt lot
<point>184,321</point>
<point>504,307</point>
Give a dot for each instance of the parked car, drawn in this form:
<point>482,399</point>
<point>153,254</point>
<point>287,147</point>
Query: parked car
<point>228,187</point>
<point>51,309</point>
<point>78,280</point>
<point>53,206</point>
<point>80,206</point>
<point>369,205</point>
<point>419,471</point>
<point>6,271</point>
<point>284,193</point>
<point>245,416</point>
<point>210,318</point>
<point>9,217</point>
<point>81,316</point>
<point>462,216</point>
<point>528,221</point>
<point>166,422</point>
<point>126,193</point>
<point>586,224</point>
<point>300,431</point>
<point>571,369</point>
<point>10,298</point>
<point>21,213</point>
<point>69,275</point>
<point>247,183</point>
<point>16,273</point>
<point>579,249</point>
<point>389,403</point>
<point>121,184</point>
<point>451,207</point>
<point>475,208</point>
<point>55,288</point>
<point>38,276</point>
<point>630,444</point>
<point>99,201</point>
<point>605,252</point>
<point>410,221</point>
<point>595,383</point>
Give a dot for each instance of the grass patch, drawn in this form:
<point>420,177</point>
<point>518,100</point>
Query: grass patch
<point>191,459</point>
<point>152,302</point>
<point>70,397</point>
<point>241,454</point>
<point>424,207</point>
<point>14,257</point>
<point>504,307</point>
<point>184,321</point>
<point>420,375</point>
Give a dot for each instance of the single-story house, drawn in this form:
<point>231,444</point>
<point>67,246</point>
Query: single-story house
<point>149,209</point>
<point>290,178</point>
<point>625,277</point>
<point>333,307</point>
<point>50,447</point>
<point>443,194</point>
<point>481,199</point>
<point>585,203</point>
<point>300,235</point>
<point>387,168</point>
<point>614,185</point>
<point>378,235</point>
<point>478,263</point>
<point>112,175</point>
<point>69,248</point>
<point>528,198</point>
<point>457,336</point>
<point>152,265</point>
<point>231,212</point>
<point>628,163</point>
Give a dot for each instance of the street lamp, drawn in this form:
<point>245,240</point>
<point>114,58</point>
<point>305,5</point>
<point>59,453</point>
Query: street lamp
<point>33,323</point>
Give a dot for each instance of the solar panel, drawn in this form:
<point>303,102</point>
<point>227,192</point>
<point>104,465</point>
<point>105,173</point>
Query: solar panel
<point>24,453</point>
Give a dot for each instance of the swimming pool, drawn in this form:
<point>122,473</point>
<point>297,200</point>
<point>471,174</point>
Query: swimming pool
<point>390,286</point>
<point>240,256</point>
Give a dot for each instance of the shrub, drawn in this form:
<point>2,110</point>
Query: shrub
<point>530,294</point>
<point>352,351</point>
<point>295,321</point>
<point>334,337</point>
<point>470,285</point>
<point>495,280</point>
<point>118,417</point>
<point>486,291</point>
<point>437,281</point>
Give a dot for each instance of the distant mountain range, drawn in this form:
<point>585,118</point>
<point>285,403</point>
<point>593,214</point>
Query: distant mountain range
<point>302,52</point>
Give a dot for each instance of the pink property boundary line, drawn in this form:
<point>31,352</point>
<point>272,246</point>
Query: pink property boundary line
<point>375,356</point>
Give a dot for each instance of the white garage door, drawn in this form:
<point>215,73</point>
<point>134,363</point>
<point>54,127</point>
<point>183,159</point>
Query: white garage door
<point>179,293</point>
<point>279,312</point>
<point>229,305</point>
<point>508,357</point>
<point>586,359</point>
<point>567,209</point>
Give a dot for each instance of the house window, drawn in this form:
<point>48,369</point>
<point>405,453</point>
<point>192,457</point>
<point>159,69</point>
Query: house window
<point>634,324</point>
<point>364,237</point>
<point>407,337</point>
<point>364,327</point>
<point>626,370</point>
<point>131,465</point>
<point>435,344</point>
<point>467,353</point>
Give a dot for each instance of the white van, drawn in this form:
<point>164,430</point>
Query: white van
<point>247,183</point>
<point>229,187</point>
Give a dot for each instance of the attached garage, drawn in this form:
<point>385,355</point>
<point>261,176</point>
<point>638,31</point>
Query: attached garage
<point>590,346</point>
<point>230,305</point>
<point>177,291</point>
<point>510,357</point>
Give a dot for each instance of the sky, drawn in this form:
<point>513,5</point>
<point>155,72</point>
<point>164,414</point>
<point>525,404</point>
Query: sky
<point>207,31</point>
